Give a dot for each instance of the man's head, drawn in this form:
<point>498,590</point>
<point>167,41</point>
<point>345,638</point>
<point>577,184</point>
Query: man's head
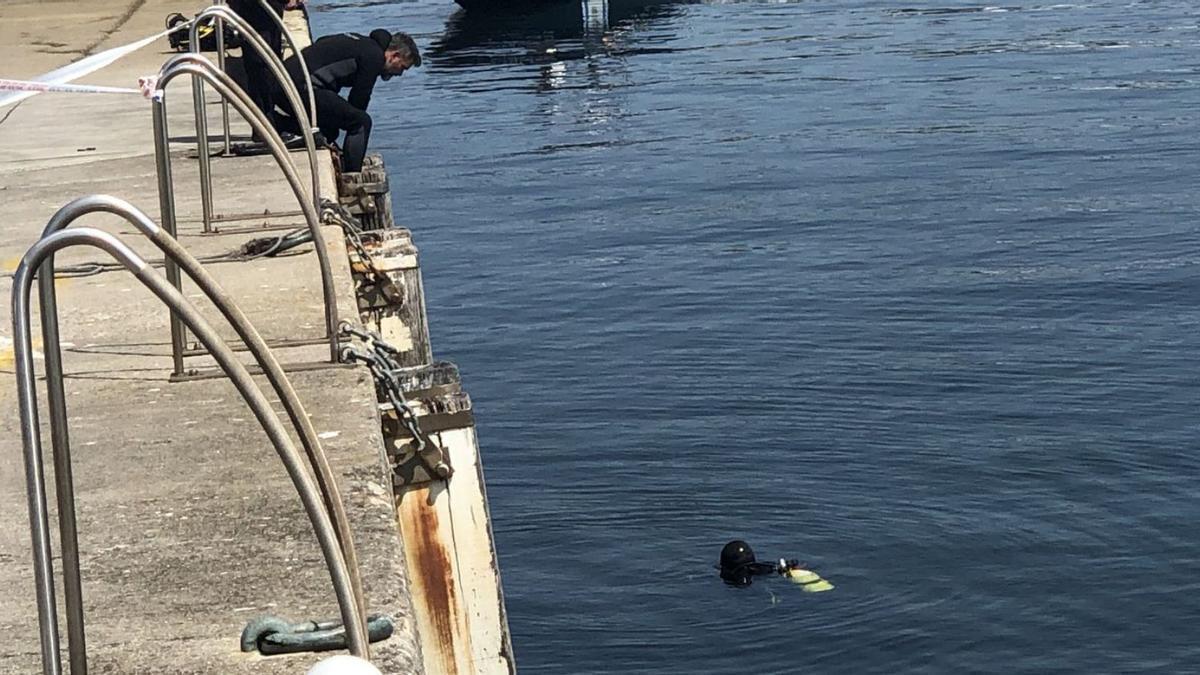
<point>400,55</point>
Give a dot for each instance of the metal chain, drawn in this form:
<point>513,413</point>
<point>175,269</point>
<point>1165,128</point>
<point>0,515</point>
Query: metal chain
<point>336,214</point>
<point>333,213</point>
<point>379,359</point>
<point>379,356</point>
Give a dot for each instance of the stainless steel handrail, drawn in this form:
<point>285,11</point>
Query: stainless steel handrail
<point>56,400</point>
<point>197,65</point>
<point>287,35</point>
<point>221,14</point>
<point>30,265</point>
<point>220,35</point>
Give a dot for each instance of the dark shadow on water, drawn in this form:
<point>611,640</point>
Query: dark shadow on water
<point>552,31</point>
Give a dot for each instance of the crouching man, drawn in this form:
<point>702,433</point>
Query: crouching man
<point>353,61</point>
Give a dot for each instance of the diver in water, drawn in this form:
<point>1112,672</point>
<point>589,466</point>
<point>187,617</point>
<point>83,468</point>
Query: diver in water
<point>738,567</point>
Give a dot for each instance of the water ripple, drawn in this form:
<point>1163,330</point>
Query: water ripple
<point>905,291</point>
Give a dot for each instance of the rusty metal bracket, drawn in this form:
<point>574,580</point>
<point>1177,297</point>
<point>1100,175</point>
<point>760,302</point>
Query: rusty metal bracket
<point>379,289</point>
<point>428,424</point>
<point>439,408</point>
<point>396,412</point>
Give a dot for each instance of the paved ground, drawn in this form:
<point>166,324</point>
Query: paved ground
<point>188,524</point>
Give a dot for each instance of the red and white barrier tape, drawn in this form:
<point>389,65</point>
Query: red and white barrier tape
<point>57,80</point>
<point>39,87</point>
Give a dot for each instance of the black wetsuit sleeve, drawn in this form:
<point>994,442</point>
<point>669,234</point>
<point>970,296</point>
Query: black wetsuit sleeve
<point>370,67</point>
<point>761,568</point>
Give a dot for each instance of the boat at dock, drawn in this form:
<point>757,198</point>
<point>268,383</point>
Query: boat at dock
<point>494,31</point>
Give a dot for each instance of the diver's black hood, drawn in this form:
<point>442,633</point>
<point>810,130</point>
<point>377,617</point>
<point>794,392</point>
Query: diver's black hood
<point>382,38</point>
<point>738,565</point>
<point>735,554</point>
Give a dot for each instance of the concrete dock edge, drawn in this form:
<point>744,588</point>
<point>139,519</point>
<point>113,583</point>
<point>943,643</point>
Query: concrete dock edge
<point>189,527</point>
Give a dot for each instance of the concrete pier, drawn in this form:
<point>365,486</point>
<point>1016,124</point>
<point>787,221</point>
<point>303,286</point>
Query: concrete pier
<point>188,525</point>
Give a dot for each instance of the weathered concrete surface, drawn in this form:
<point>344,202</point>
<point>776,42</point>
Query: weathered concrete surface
<point>41,35</point>
<point>189,526</point>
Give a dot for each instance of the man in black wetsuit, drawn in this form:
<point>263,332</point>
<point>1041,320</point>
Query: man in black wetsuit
<point>260,84</point>
<point>355,61</point>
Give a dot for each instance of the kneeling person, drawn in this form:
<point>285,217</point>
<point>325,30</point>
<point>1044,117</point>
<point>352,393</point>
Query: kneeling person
<point>351,60</point>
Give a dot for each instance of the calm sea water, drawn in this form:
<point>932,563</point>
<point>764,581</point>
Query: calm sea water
<point>908,291</point>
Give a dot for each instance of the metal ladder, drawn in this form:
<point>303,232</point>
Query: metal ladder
<point>319,495</point>
<point>221,14</point>
<point>199,67</point>
<point>287,35</point>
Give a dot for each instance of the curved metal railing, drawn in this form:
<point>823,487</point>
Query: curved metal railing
<point>221,14</point>
<point>198,66</point>
<point>56,400</point>
<point>39,260</point>
<point>219,34</point>
<point>287,35</point>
